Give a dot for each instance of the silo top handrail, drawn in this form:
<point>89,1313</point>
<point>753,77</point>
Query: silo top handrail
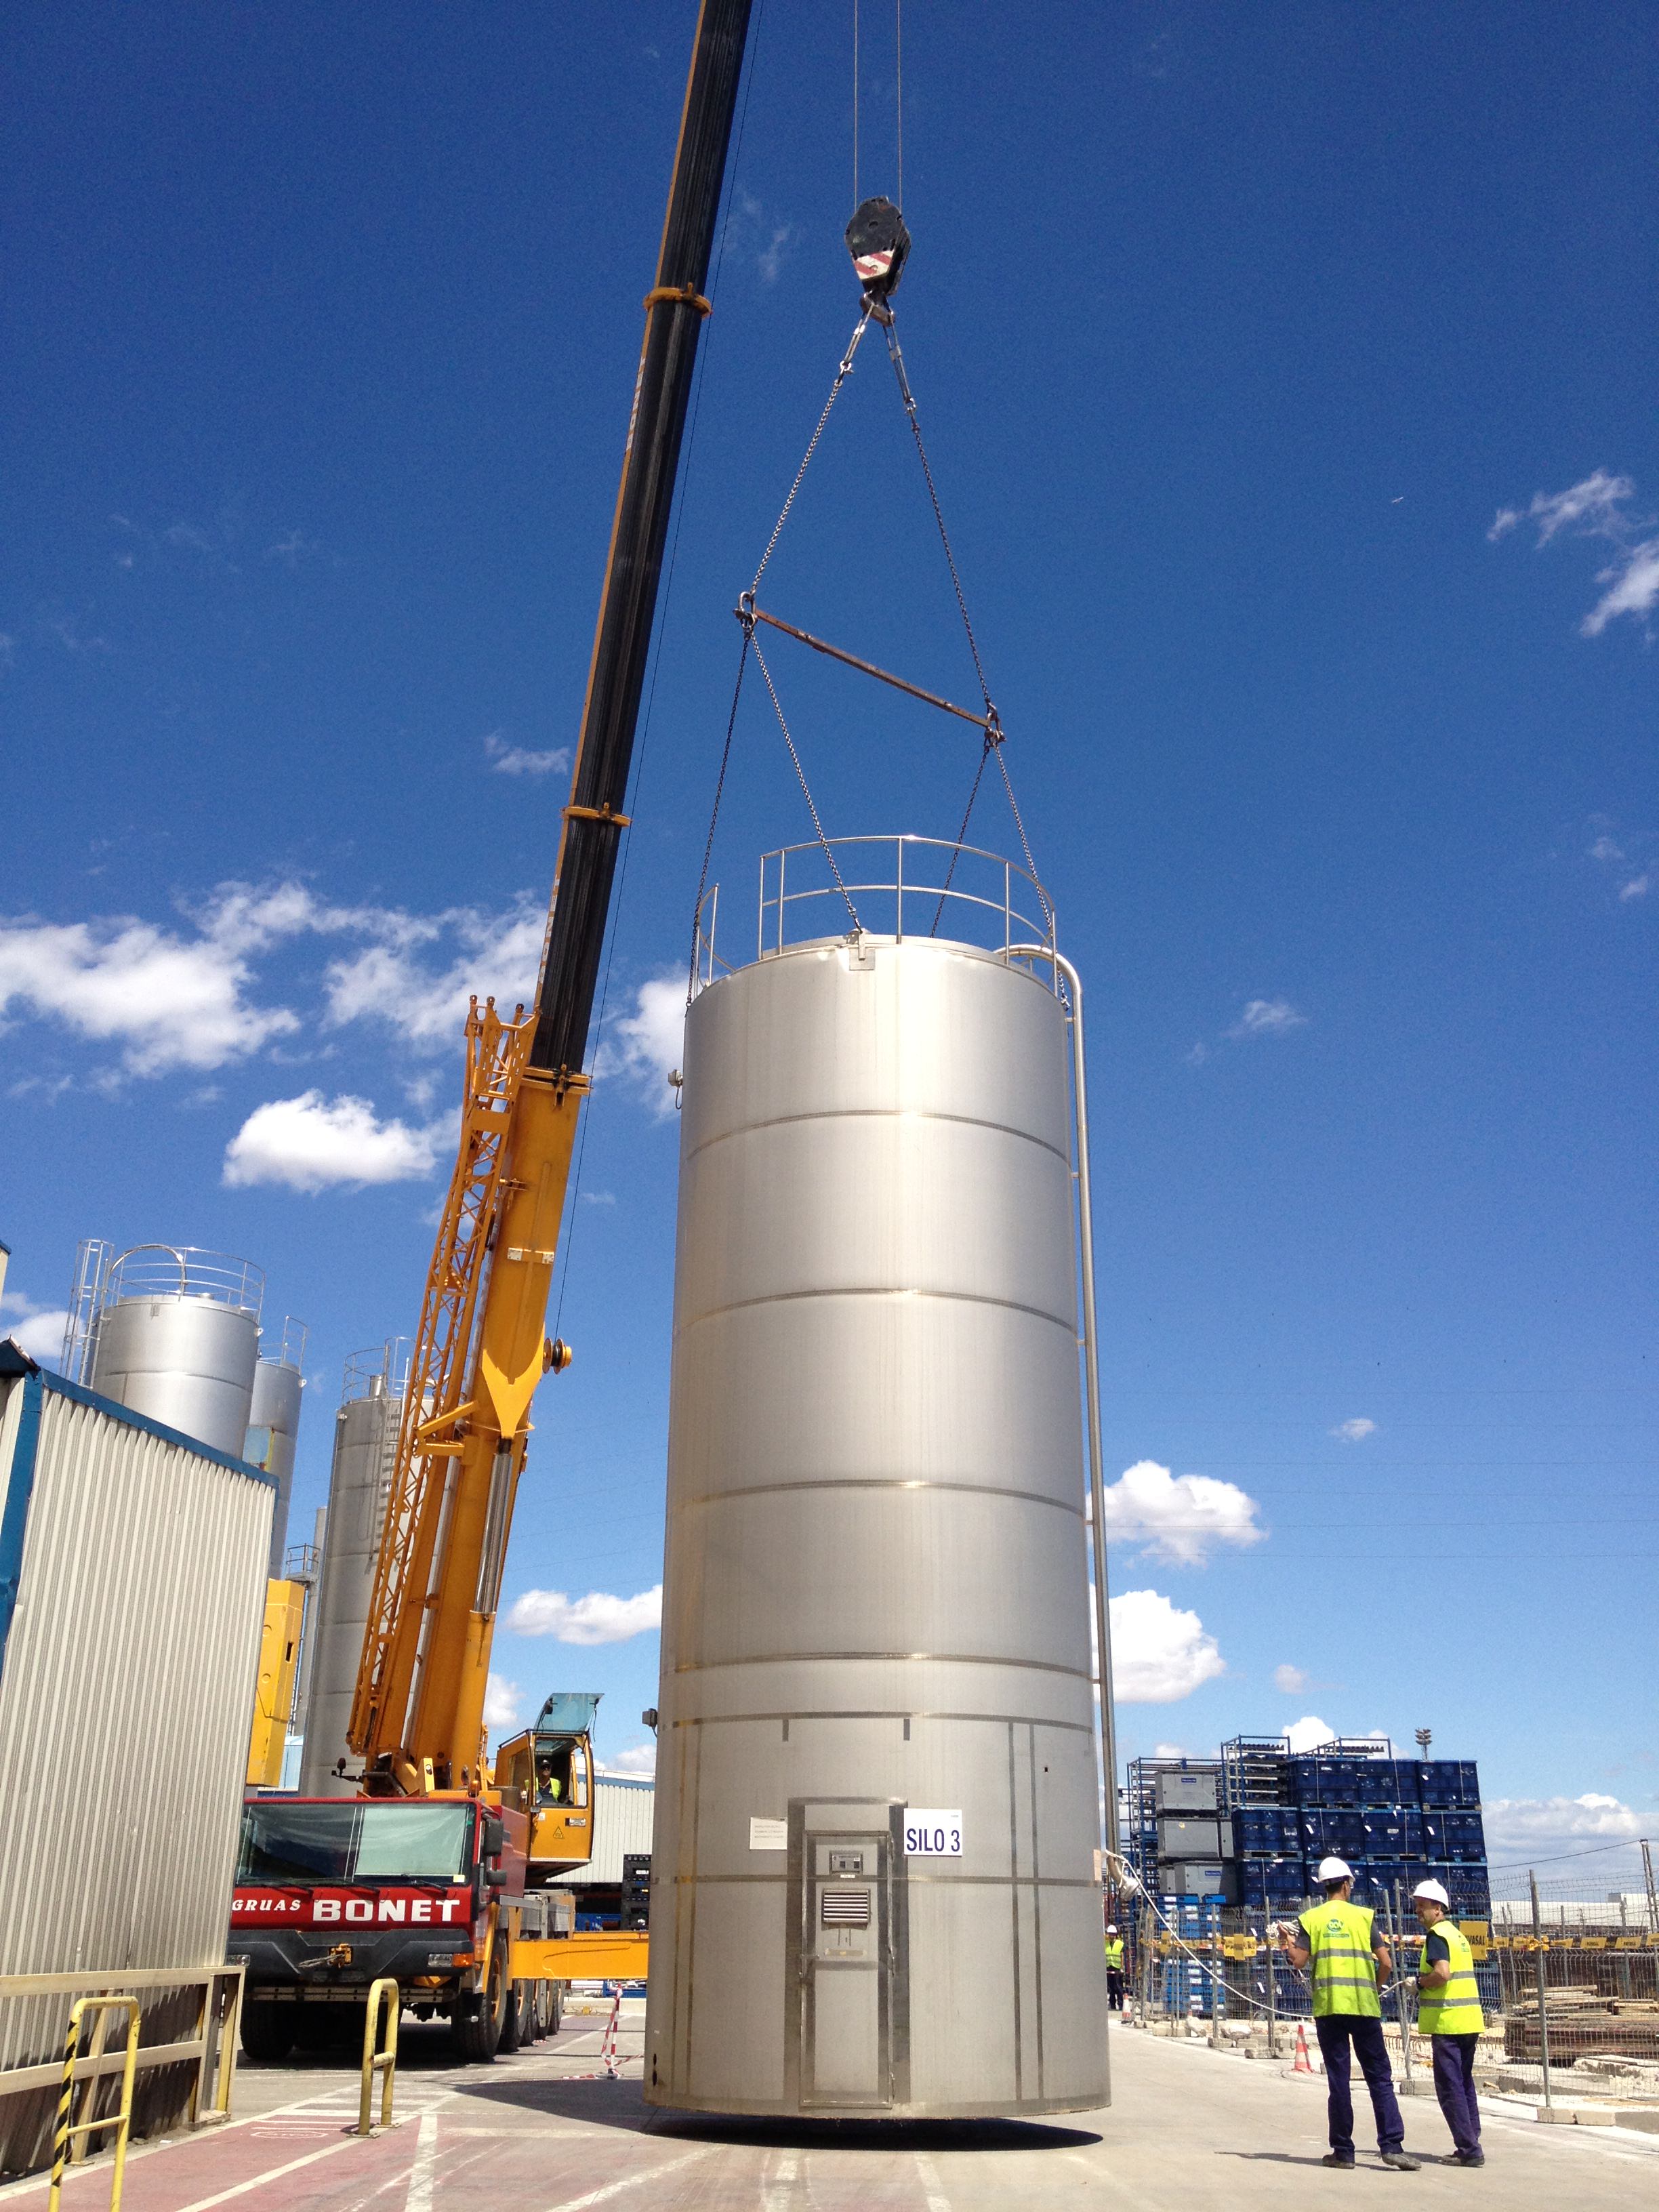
<point>928,899</point>
<point>185,1271</point>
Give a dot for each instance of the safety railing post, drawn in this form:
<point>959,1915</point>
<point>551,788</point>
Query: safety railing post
<point>378,2061</point>
<point>1543,1991</point>
<point>120,2120</point>
<point>899,877</point>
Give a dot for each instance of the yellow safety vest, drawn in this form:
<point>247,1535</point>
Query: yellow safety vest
<point>1114,1951</point>
<point>1453,2007</point>
<point>1344,1971</point>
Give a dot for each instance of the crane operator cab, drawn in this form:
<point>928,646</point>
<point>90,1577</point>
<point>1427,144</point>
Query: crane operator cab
<point>547,1773</point>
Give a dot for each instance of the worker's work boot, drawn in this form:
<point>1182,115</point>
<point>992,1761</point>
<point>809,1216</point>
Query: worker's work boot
<point>1468,2158</point>
<point>1399,2161</point>
<point>1343,2158</point>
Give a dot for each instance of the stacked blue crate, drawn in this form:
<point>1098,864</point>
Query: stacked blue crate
<point>1185,1984</point>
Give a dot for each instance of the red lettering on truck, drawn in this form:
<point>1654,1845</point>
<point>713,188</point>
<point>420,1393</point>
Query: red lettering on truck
<point>328,1908</point>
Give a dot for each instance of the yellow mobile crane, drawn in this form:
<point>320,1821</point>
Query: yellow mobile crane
<point>439,1896</point>
<point>418,1717</point>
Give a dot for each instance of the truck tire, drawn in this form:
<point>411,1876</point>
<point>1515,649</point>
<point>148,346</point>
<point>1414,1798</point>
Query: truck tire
<point>517,2027</point>
<point>267,2029</point>
<point>554,2006</point>
<point>477,2037</point>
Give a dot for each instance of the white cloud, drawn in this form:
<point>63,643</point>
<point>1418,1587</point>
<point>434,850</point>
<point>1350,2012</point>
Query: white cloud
<point>168,1002</point>
<point>1592,504</point>
<point>1288,1679</point>
<point>500,955</point>
<point>598,1618</point>
<point>514,760</point>
<point>1597,508</point>
<point>1160,1652</point>
<point>1605,850</point>
<point>637,1763</point>
<point>1168,1751</point>
<point>38,1330</point>
<point>647,1045</point>
<point>1266,1018</point>
<point>1542,1826</point>
<point>1354,1432</point>
<point>310,1143</point>
<point>1308,1732</point>
<point>1638,887</point>
<point>1179,1518</point>
<point>1633,584</point>
<point>503,1701</point>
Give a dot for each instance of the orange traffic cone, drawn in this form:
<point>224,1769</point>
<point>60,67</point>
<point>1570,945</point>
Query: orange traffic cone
<point>1303,2064</point>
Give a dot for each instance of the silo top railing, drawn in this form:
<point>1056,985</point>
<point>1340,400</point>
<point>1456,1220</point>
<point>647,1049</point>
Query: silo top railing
<point>893,888</point>
<point>183,1271</point>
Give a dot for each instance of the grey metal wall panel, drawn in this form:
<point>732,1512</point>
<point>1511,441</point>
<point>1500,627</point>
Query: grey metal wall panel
<point>876,1588</point>
<point>622,1825</point>
<point>126,1695</point>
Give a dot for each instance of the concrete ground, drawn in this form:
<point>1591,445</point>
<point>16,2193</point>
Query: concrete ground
<point>1189,2130</point>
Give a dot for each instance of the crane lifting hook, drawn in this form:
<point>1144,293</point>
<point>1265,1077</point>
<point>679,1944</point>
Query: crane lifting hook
<point>878,243</point>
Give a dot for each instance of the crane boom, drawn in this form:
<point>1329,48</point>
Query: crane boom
<point>480,1349</point>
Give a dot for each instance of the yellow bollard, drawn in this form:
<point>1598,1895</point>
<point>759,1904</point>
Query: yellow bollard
<point>383,2063</point>
<point>121,2121</point>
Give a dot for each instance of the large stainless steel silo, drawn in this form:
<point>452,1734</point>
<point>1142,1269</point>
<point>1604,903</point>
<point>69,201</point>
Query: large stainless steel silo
<point>873,1882</point>
<point>273,1427</point>
<point>365,1450</point>
<point>176,1336</point>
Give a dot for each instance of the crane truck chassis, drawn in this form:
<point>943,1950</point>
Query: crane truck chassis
<point>334,1893</point>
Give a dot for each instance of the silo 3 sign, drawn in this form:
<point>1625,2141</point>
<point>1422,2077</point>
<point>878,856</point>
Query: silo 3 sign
<point>930,1834</point>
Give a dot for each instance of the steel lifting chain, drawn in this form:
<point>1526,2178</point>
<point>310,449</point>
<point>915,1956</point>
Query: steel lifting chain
<point>994,730</point>
<point>842,375</point>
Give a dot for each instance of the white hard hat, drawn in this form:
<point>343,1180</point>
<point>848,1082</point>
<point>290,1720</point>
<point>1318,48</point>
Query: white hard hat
<point>1434,1892</point>
<point>1336,1870</point>
<point>1111,1927</point>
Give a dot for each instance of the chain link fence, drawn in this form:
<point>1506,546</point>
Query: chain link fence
<point>1569,1984</point>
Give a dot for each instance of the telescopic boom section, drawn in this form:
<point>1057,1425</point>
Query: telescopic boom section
<point>417,1718</point>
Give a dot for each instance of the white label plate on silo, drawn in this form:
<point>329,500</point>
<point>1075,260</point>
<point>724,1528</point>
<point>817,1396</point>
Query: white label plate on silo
<point>768,1835</point>
<point>930,1834</point>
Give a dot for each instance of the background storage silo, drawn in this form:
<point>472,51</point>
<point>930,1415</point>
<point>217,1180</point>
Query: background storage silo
<point>873,1887</point>
<point>364,1451</point>
<point>273,1426</point>
<point>176,1337</point>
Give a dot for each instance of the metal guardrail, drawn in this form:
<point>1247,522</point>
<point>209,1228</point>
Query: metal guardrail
<point>929,887</point>
<point>212,2049</point>
<point>379,2058</point>
<point>183,1271</point>
<point>121,2120</point>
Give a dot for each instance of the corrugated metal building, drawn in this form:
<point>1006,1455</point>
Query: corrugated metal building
<point>132,1584</point>
<point>622,1824</point>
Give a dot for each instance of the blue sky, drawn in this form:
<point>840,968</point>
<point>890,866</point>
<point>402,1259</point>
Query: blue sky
<point>1287,375</point>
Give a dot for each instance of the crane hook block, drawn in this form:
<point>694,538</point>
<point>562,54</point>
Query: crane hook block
<point>557,1356</point>
<point>878,242</point>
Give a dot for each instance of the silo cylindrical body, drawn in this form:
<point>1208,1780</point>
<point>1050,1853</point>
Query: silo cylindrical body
<point>183,1356</point>
<point>273,1424</point>
<point>873,1883</point>
<point>365,1450</point>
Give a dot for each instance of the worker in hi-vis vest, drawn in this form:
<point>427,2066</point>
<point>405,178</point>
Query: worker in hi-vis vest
<point>1114,1967</point>
<point>1349,1959</point>
<point>1448,2013</point>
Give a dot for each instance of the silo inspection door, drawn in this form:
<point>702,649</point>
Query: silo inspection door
<point>846,1959</point>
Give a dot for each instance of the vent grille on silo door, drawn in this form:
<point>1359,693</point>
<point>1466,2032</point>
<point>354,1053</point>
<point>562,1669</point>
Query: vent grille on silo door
<point>846,1908</point>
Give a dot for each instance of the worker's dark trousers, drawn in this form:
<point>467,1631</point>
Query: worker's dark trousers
<point>1335,2032</point>
<point>1454,2084</point>
<point>1114,1988</point>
